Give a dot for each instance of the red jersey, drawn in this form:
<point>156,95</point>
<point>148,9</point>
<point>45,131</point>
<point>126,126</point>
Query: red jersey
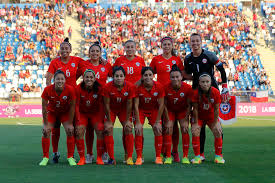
<point>148,100</point>
<point>58,103</point>
<point>101,71</point>
<point>206,108</point>
<point>177,100</point>
<point>162,67</point>
<point>88,102</point>
<point>70,68</point>
<point>118,99</point>
<point>132,68</point>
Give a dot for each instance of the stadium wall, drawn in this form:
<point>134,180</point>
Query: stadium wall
<point>243,109</point>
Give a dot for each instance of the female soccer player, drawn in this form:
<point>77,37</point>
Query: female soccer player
<point>162,65</point>
<point>102,71</point>
<point>69,65</point>
<point>132,64</point>
<point>177,94</point>
<point>149,102</point>
<point>197,62</point>
<point>118,100</point>
<point>58,104</point>
<point>206,101</point>
<point>89,110</point>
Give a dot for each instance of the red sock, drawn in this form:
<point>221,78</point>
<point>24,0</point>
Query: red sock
<point>70,146</point>
<point>99,147</point>
<point>175,138</point>
<point>168,144</point>
<point>109,141</point>
<point>138,145</point>
<point>45,147</point>
<point>185,144</point>
<point>55,139</point>
<point>129,139</point>
<point>196,145</point>
<point>158,145</point>
<point>80,147</point>
<point>89,138</point>
<point>218,146</point>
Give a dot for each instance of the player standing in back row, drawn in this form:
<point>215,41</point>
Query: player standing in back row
<point>197,62</point>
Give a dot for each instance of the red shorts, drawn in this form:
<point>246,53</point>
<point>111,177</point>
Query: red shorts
<point>61,117</point>
<point>121,116</point>
<point>95,120</point>
<point>150,115</point>
<point>176,115</point>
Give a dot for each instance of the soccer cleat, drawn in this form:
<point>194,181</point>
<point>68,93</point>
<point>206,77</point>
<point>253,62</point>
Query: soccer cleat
<point>168,161</point>
<point>185,160</point>
<point>105,157</point>
<point>99,161</point>
<point>89,159</point>
<point>196,160</point>
<point>176,156</point>
<point>71,161</point>
<point>44,161</point>
<point>111,162</point>
<point>162,155</point>
<point>56,157</point>
<point>138,161</point>
<point>158,161</point>
<point>130,161</point>
<point>202,157</point>
<point>81,161</point>
<point>219,159</point>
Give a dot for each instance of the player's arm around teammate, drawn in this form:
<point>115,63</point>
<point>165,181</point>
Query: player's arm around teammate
<point>118,97</point>
<point>89,111</point>
<point>206,100</point>
<point>58,104</point>
<point>149,102</point>
<point>177,109</point>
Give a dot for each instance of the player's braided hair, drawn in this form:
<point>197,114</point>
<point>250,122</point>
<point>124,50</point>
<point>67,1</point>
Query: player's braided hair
<point>66,41</point>
<point>208,94</point>
<point>175,68</point>
<point>96,84</point>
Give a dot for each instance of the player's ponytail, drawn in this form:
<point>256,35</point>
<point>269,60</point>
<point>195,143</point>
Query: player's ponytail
<point>175,68</point>
<point>66,41</point>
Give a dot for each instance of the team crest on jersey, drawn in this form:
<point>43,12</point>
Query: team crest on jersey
<point>102,69</point>
<point>174,62</point>
<point>126,94</point>
<point>65,97</point>
<point>73,64</point>
<point>156,94</point>
<point>212,100</point>
<point>138,64</point>
<point>225,108</point>
<point>95,96</point>
<point>182,94</point>
<point>204,60</point>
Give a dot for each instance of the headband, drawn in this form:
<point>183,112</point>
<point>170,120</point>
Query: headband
<point>89,70</point>
<point>205,74</point>
<point>166,38</point>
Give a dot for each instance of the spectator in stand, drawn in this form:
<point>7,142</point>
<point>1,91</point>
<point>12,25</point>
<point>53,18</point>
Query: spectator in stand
<point>26,88</point>
<point>32,87</point>
<point>22,74</point>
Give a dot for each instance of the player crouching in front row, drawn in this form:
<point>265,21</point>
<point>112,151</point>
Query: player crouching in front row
<point>206,101</point>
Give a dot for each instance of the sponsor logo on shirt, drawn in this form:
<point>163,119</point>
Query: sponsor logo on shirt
<point>174,62</point>
<point>182,94</point>
<point>122,64</point>
<point>112,93</point>
<point>82,96</point>
<point>160,62</point>
<point>65,97</point>
<point>52,97</point>
<point>204,60</point>
<point>126,94</point>
<point>156,94</point>
<point>60,68</point>
<point>141,94</point>
<point>102,69</point>
<point>170,94</point>
<point>73,64</point>
<point>138,64</point>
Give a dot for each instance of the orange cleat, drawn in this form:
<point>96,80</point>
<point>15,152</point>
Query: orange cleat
<point>81,161</point>
<point>99,161</point>
<point>159,160</point>
<point>138,161</point>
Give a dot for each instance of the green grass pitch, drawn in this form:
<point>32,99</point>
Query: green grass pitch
<point>249,148</point>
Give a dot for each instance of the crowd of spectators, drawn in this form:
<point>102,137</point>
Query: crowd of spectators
<point>269,14</point>
<point>225,31</point>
